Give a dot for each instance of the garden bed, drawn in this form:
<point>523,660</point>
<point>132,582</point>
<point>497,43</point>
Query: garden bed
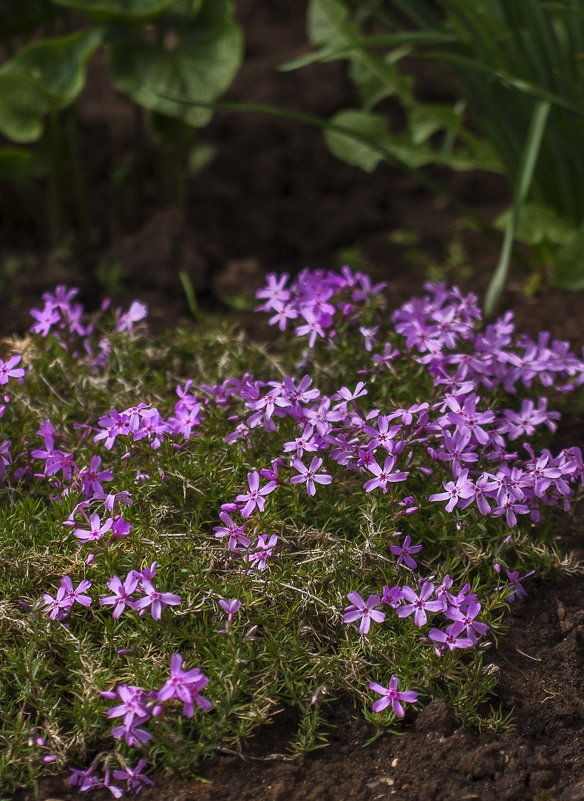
<point>275,199</point>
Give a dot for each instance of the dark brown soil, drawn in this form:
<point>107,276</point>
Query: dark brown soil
<point>274,200</point>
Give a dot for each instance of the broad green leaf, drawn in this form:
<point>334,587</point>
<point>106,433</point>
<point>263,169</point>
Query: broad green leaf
<point>52,71</point>
<point>328,24</point>
<point>369,128</point>
<point>198,67</point>
<point>569,263</point>
<point>118,10</point>
<point>22,107</point>
<point>365,140</point>
<point>538,225</point>
<point>19,165</point>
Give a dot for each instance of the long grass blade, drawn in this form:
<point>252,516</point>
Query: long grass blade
<point>530,156</point>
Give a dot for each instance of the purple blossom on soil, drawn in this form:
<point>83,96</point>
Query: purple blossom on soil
<point>404,551</point>
<point>309,475</point>
<point>516,588</point>
<point>134,778</point>
<point>185,686</point>
<point>156,600</point>
<point>84,779</point>
<point>255,497</point>
<point>419,605</point>
<point>364,611</point>
<point>392,696</point>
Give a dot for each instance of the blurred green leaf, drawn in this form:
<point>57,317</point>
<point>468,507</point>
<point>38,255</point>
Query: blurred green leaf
<point>381,143</point>
<point>43,77</point>
<point>19,166</point>
<point>196,64</point>
<point>118,10</point>
<point>538,225</point>
<point>569,263</point>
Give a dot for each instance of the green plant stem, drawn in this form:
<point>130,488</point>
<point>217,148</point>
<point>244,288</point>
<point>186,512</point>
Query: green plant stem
<point>529,160</point>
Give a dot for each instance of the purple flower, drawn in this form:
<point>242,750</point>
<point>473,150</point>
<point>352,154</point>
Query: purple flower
<point>231,530</point>
<point>59,605</point>
<point>186,686</point>
<point>404,550</point>
<point>132,706</point>
<point>96,531</point>
<point>133,777</point>
<point>262,551</point>
<point>125,321</point>
<point>230,608</point>
<point>391,695</point>
<point>383,475</point>
<point>450,638</point>
<point>463,488</point>
<point>473,628</point>
<point>76,595</point>
<point>9,369</point>
<point>255,495</point>
<point>363,610</point>
<point>121,593</point>
<point>517,589</point>
<point>310,475</point>
<point>155,599</point>
<point>419,605</point>
<point>92,477</point>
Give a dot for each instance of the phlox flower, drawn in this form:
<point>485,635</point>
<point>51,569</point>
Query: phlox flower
<point>121,593</point>
<point>255,496</point>
<point>125,320</point>
<point>230,608</point>
<point>450,638</point>
<point>262,551</point>
<point>363,610</point>
<point>96,530</point>
<point>155,600</point>
<point>185,685</point>
<point>10,370</point>
<point>472,628</point>
<point>419,605</point>
<point>462,488</point>
<point>91,477</point>
<point>404,551</point>
<point>231,530</point>
<point>133,706</point>
<point>133,777</point>
<point>309,475</point>
<point>383,475</point>
<point>391,695</point>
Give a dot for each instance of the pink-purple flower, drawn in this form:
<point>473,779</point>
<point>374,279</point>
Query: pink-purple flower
<point>392,696</point>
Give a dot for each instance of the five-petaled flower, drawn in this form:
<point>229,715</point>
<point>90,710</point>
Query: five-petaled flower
<point>363,610</point>
<point>391,695</point>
